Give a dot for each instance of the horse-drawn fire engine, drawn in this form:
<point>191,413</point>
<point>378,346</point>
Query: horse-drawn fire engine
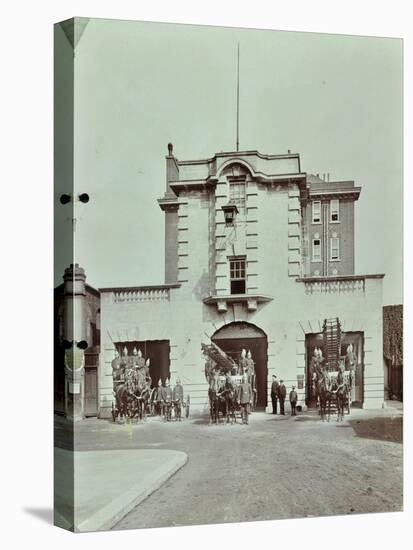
<point>332,375</point>
<point>136,399</point>
<point>232,388</point>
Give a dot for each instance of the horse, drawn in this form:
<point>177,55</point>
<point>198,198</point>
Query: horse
<point>341,396</point>
<point>141,392</point>
<point>229,394</point>
<point>216,395</point>
<point>124,400</point>
<point>323,387</point>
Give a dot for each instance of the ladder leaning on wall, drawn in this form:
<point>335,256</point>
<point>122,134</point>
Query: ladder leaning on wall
<point>332,342</point>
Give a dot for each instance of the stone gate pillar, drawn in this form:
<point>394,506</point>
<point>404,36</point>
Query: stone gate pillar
<point>74,331</point>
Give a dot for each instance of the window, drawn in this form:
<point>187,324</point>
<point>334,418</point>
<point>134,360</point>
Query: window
<point>334,248</point>
<point>237,193</point>
<point>237,275</point>
<point>335,211</point>
<point>316,250</point>
<point>316,211</point>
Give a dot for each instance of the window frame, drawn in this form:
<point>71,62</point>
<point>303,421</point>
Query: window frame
<point>313,258</point>
<point>337,211</point>
<point>332,247</point>
<point>313,203</point>
<point>239,199</point>
<point>238,270</point>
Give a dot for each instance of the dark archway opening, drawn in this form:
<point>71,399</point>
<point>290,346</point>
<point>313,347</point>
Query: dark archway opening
<point>157,351</point>
<point>232,338</point>
<point>356,339</point>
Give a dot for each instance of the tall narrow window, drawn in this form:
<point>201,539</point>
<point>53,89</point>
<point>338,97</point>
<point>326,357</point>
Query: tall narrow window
<point>316,211</point>
<point>334,248</point>
<point>237,192</point>
<point>316,250</point>
<point>237,275</point>
<point>335,210</point>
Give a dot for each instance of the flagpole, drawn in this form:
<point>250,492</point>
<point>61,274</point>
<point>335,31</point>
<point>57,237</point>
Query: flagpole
<point>238,100</point>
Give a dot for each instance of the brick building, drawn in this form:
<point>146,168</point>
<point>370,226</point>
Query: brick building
<point>257,254</point>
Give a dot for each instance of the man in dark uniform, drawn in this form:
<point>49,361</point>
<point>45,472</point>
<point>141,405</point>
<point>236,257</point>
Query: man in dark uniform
<point>293,401</point>
<point>167,400</point>
<point>245,398</point>
<point>282,392</point>
<point>147,372</point>
<point>124,360</point>
<point>134,358</point>
<point>243,362</point>
<point>178,399</point>
<point>274,393</point>
<point>158,397</point>
<point>117,373</point>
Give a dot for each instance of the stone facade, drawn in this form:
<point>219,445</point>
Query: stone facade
<point>254,270</point>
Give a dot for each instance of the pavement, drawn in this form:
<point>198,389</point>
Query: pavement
<point>108,484</point>
<point>276,467</point>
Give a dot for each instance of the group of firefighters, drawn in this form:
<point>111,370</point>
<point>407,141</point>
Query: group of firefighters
<point>164,397</point>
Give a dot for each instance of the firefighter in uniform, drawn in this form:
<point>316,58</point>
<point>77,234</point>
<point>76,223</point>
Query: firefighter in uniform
<point>243,362</point>
<point>178,398</point>
<point>117,373</point>
<point>158,397</point>
<point>282,392</point>
<point>293,401</point>
<point>167,399</point>
<point>245,398</point>
<point>274,393</point>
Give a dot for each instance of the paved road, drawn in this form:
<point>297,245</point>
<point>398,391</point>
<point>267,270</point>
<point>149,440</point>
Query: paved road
<point>277,467</point>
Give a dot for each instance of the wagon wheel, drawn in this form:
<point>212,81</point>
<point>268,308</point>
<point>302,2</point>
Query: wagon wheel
<point>187,407</point>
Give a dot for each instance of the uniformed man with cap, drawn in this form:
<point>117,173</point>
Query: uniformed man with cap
<point>282,392</point>
<point>167,399</point>
<point>243,362</point>
<point>274,393</point>
<point>147,371</point>
<point>178,398</point>
<point>293,401</point>
<point>117,373</point>
<point>158,397</point>
<point>245,398</point>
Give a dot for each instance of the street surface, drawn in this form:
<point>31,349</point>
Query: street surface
<point>276,467</point>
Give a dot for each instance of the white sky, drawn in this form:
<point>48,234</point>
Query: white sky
<point>336,100</point>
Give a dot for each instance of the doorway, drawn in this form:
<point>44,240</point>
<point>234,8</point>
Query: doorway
<point>234,337</point>
<point>157,351</point>
<point>357,340</point>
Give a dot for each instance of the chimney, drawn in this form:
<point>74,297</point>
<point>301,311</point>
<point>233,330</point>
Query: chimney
<point>172,170</point>
<point>171,220</point>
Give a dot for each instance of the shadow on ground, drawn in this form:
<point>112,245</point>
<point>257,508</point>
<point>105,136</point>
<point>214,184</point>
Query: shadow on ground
<point>44,514</point>
<point>382,429</point>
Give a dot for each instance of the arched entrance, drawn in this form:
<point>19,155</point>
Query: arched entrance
<point>232,338</point>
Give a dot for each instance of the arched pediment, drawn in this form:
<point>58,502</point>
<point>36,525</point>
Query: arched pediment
<point>238,329</point>
<point>235,167</point>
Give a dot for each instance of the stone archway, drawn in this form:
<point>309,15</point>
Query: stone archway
<point>233,337</point>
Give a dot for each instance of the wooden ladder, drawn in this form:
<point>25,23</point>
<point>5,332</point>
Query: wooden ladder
<point>332,342</point>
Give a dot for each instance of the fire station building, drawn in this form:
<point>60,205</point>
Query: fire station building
<point>257,254</point>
